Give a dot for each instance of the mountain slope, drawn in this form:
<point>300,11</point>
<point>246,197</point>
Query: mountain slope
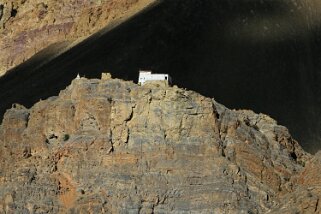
<point>111,146</point>
<point>27,27</point>
<point>259,55</point>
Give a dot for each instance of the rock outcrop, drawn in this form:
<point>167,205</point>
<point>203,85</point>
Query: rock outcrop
<point>110,146</point>
<point>28,26</point>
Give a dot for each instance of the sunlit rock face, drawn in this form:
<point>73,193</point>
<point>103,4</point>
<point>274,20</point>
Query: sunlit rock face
<point>261,55</point>
<point>112,146</point>
<point>28,26</point>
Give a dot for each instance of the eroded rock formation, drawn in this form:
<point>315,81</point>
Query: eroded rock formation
<point>261,55</point>
<point>29,26</point>
<point>110,146</point>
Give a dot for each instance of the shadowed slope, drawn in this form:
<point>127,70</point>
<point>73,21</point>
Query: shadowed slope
<point>205,46</point>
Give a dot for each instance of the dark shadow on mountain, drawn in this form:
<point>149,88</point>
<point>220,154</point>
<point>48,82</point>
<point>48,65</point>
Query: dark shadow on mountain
<point>188,39</point>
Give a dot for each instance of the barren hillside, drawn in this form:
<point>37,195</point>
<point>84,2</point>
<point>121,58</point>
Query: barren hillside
<point>259,55</point>
<point>29,26</point>
<point>111,146</point>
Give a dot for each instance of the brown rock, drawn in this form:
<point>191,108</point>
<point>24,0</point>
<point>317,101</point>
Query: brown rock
<point>50,27</point>
<point>113,146</point>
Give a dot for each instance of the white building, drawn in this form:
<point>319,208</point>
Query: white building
<point>146,76</point>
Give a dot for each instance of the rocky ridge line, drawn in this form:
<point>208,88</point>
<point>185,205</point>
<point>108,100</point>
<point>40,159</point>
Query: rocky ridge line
<point>111,146</point>
<point>51,26</point>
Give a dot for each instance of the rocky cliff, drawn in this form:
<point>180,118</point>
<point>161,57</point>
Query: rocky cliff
<point>262,55</point>
<point>28,26</point>
<point>111,146</point>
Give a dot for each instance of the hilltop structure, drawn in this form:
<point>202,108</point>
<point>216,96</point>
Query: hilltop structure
<point>148,76</point>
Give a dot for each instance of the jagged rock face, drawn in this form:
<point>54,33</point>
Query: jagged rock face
<point>28,26</point>
<point>110,146</point>
<point>308,192</point>
<point>261,55</point>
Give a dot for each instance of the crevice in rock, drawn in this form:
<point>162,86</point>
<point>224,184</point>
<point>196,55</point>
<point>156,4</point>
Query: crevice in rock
<point>53,136</point>
<point>131,115</point>
<point>27,152</point>
<point>128,133</point>
<point>112,149</point>
<point>1,11</point>
<point>73,110</point>
<point>165,135</point>
<point>51,139</point>
<point>31,174</point>
<point>293,156</point>
<point>27,119</point>
<point>13,13</point>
